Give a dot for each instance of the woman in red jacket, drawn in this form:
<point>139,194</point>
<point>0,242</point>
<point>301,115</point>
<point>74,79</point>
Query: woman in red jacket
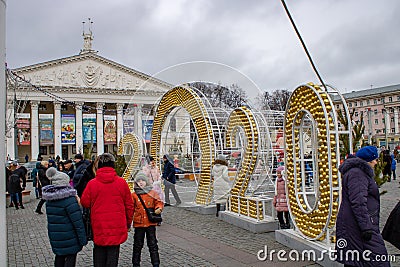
<point>143,227</point>
<point>110,202</point>
<point>280,200</point>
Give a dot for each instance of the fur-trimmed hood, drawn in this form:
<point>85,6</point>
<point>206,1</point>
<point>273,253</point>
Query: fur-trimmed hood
<point>355,162</point>
<point>57,192</point>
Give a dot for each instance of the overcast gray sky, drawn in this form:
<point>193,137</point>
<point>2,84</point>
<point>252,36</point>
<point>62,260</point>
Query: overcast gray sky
<point>354,44</point>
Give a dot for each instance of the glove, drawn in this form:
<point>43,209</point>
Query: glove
<point>157,211</point>
<point>367,235</point>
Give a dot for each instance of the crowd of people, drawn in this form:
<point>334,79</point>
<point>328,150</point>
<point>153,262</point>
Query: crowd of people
<point>71,189</point>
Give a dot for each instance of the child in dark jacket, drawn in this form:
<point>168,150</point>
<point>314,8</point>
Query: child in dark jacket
<point>143,227</point>
<point>62,208</point>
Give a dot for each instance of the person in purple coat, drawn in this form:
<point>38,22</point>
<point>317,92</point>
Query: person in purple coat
<point>357,224</point>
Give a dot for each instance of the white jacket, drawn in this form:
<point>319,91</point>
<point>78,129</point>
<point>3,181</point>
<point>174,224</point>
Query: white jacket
<point>221,183</point>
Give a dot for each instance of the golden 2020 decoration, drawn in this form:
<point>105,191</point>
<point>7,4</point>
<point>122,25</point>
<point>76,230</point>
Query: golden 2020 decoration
<point>243,118</point>
<point>187,98</point>
<point>310,113</point>
<point>131,145</point>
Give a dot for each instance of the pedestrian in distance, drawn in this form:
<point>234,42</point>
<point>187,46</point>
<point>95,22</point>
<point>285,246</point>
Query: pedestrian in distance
<point>64,219</point>
<point>169,181</point>
<point>393,165</point>
<point>43,181</point>
<point>143,227</point>
<point>221,182</point>
<point>280,199</point>
<point>357,223</point>
<point>17,184</point>
<point>80,167</point>
<point>111,211</point>
<point>35,179</point>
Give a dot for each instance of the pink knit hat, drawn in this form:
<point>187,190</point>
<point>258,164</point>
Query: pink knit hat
<point>280,168</point>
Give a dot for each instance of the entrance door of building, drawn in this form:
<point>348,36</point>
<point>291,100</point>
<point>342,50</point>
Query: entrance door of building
<point>64,152</point>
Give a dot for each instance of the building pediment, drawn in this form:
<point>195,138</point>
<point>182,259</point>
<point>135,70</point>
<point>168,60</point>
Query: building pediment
<point>89,70</point>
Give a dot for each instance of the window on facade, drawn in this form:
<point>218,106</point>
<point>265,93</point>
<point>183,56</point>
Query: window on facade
<point>42,107</point>
<point>172,125</point>
<point>356,113</point>
<point>337,107</point>
<point>361,103</point>
<point>383,120</point>
<point>377,131</point>
<point>375,112</point>
<point>355,104</point>
<point>368,102</point>
<point>376,121</point>
<point>382,100</point>
<point>390,99</point>
<point>391,119</point>
<point>392,130</point>
<point>64,107</point>
<point>375,101</point>
<point>350,104</point>
<point>398,98</point>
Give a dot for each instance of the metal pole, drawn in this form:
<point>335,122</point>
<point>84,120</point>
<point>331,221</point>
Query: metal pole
<point>3,221</point>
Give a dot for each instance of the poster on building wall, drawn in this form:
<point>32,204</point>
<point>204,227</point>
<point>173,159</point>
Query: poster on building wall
<point>68,129</point>
<point>89,128</point>
<point>46,129</point>
<point>129,124</point>
<point>24,129</point>
<point>147,127</point>
<point>110,129</point>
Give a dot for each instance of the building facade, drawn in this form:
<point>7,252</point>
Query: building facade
<point>378,109</point>
<point>69,105</point>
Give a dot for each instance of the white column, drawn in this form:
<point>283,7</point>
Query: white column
<point>57,129</point>
<point>78,127</point>
<point>34,129</point>
<point>120,122</point>
<point>137,112</point>
<point>396,121</point>
<point>99,128</point>
<point>10,135</point>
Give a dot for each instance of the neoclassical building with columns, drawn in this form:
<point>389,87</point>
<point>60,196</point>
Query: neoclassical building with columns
<point>75,103</point>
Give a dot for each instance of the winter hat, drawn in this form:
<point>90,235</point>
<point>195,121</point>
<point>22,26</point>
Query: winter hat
<point>106,160</point>
<point>221,157</point>
<point>141,176</point>
<point>280,169</point>
<point>56,177</point>
<point>368,153</point>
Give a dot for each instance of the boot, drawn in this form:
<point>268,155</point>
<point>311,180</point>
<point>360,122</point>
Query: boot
<point>16,207</point>
<point>282,226</point>
<point>218,209</point>
<point>21,206</point>
<point>287,226</point>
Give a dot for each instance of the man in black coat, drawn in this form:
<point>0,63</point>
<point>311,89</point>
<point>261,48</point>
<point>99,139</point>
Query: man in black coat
<point>15,188</point>
<point>80,167</point>
<point>43,181</point>
<point>169,181</point>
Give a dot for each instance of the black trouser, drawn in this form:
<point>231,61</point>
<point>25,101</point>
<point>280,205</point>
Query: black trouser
<point>138,241</point>
<point>65,260</point>
<point>394,174</point>
<point>40,205</point>
<point>280,217</point>
<point>105,256</point>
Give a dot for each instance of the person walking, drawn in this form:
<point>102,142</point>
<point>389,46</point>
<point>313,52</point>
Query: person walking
<point>111,211</point>
<point>143,227</point>
<point>62,208</point>
<point>17,184</point>
<point>221,181</point>
<point>43,181</point>
<point>35,179</point>
<point>357,222</point>
<point>154,176</point>
<point>169,181</point>
<point>280,200</point>
<point>393,165</point>
<point>80,167</point>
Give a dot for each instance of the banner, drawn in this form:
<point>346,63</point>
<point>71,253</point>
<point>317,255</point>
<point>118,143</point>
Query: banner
<point>24,129</point>
<point>147,127</point>
<point>68,129</point>
<point>129,124</point>
<point>110,129</point>
<point>89,128</point>
<point>46,132</point>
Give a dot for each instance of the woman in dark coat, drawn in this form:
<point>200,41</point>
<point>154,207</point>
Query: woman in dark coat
<point>357,224</point>
<point>15,187</point>
<point>64,222</point>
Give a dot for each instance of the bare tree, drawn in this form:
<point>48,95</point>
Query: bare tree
<point>276,100</point>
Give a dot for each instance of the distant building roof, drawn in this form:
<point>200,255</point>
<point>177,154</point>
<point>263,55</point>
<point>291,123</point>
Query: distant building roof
<point>370,92</point>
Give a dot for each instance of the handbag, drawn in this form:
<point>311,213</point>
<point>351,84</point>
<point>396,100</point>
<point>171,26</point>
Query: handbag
<point>88,224</point>
<point>153,217</point>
